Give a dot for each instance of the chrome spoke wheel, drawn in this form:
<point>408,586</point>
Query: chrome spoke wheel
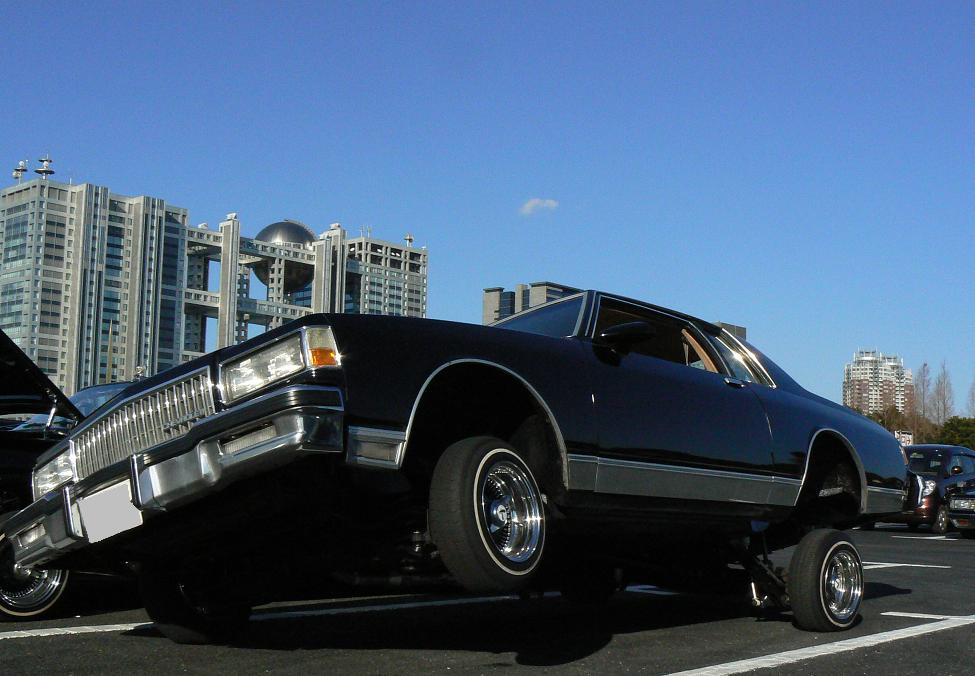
<point>511,509</point>
<point>33,594</point>
<point>842,585</point>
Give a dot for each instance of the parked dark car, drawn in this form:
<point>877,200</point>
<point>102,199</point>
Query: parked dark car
<point>961,508</point>
<point>588,442</point>
<point>25,389</point>
<point>941,467</point>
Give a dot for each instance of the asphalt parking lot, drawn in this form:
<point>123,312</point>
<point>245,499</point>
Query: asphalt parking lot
<point>919,616</point>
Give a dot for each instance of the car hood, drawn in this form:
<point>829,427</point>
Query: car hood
<point>25,389</point>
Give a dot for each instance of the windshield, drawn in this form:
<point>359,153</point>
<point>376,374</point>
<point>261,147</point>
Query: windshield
<point>87,401</point>
<point>926,462</point>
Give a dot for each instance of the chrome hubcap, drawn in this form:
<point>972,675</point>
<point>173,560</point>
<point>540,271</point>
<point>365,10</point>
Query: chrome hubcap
<point>842,585</point>
<point>33,592</point>
<point>511,508</point>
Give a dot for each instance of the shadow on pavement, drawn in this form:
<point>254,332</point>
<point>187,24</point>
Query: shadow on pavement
<point>876,590</point>
<point>547,632</point>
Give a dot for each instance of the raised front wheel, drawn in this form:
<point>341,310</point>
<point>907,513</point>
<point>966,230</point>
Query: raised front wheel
<point>825,581</point>
<point>487,517</point>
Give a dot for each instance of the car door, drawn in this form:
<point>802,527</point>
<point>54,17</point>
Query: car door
<point>671,422</point>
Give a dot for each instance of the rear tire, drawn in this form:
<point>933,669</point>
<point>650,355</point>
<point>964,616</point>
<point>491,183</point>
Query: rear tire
<point>31,597</point>
<point>968,534</point>
<point>172,607</point>
<point>28,597</point>
<point>825,581</point>
<point>487,516</point>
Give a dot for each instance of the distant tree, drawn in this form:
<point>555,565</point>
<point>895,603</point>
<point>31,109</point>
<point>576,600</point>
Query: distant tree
<point>921,417</point>
<point>958,432</point>
<point>891,419</point>
<point>942,397</point>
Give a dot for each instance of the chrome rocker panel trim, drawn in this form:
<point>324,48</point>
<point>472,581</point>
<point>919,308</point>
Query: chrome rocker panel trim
<point>630,477</point>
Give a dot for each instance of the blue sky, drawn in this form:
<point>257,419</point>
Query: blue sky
<point>805,169</point>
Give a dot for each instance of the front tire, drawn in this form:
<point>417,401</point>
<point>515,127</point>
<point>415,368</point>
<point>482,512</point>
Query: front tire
<point>825,581</point>
<point>487,516</point>
<point>181,616</point>
<point>941,524</point>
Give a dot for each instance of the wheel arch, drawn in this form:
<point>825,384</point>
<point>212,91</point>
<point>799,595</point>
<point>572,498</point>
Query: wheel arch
<point>442,375</point>
<point>824,441</point>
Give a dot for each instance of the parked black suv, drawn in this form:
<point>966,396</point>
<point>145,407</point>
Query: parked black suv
<point>941,467</point>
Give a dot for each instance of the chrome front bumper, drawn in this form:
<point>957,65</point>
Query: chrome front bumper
<point>232,445</point>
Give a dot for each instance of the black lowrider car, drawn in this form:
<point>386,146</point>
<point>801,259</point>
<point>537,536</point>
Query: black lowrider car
<point>587,442</point>
<point>25,389</point>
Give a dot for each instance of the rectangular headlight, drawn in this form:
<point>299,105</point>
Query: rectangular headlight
<point>53,474</point>
<point>259,369</point>
<point>961,503</point>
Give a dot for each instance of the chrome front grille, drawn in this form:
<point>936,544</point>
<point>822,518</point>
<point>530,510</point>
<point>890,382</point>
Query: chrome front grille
<point>157,416</point>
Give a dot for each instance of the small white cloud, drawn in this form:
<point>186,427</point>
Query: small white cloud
<point>537,204</point>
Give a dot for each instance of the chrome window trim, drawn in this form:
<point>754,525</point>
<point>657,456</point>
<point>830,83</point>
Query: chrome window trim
<point>752,359</point>
<point>559,439</point>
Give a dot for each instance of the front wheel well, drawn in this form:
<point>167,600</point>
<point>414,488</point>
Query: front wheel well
<point>473,399</point>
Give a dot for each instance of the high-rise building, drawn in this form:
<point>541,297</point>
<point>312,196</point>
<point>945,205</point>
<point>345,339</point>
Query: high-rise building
<point>244,284</point>
<point>498,303</point>
<point>873,382</point>
<point>98,287</point>
<point>85,278</point>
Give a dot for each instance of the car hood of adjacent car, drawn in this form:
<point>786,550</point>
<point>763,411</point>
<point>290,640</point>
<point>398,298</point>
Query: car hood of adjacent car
<point>25,389</point>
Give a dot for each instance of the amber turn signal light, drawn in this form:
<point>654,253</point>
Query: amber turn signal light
<point>324,356</point>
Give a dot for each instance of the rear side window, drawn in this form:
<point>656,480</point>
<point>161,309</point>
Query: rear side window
<point>556,320</point>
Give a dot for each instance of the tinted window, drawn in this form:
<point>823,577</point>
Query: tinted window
<point>673,340</point>
<point>926,462</point>
<point>556,320</point>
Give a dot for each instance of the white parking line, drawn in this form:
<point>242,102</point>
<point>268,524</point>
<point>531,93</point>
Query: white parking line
<point>792,656</point>
<point>69,631</point>
<point>874,565</point>
<point>923,616</point>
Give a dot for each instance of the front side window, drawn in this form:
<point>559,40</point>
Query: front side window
<point>556,320</point>
<point>734,360</point>
<point>673,340</point>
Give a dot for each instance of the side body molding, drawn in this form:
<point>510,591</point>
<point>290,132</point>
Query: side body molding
<point>560,440</point>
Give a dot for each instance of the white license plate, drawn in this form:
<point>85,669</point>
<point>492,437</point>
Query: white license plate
<point>109,512</point>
